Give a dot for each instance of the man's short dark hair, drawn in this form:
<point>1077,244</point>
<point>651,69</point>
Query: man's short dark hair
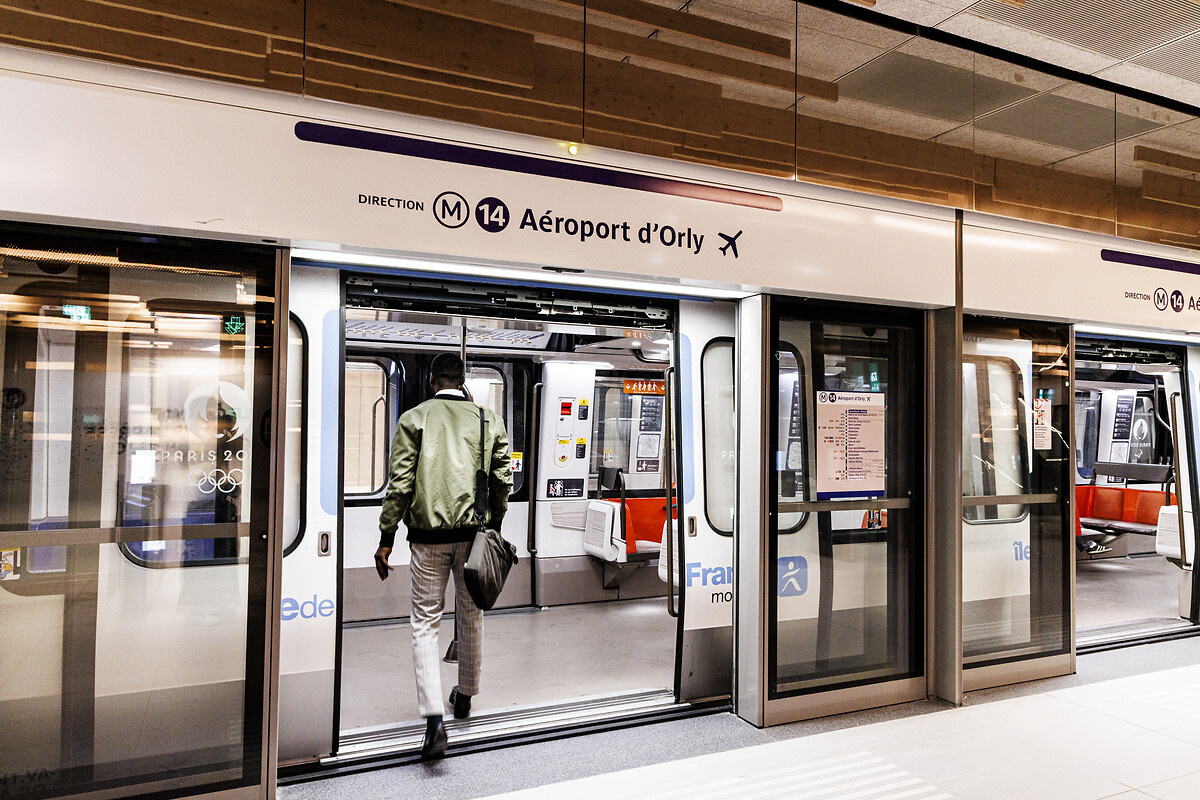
<point>448,368</point>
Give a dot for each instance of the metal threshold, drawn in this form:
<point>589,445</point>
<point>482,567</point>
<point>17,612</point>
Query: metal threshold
<point>1133,632</point>
<point>398,740</point>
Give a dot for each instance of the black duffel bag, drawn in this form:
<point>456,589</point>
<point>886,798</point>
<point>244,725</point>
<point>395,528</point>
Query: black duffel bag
<point>492,556</point>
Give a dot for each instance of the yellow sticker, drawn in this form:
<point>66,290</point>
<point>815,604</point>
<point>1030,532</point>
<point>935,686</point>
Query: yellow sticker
<point>581,440</point>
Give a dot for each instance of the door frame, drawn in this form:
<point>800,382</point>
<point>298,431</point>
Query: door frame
<point>755,333</point>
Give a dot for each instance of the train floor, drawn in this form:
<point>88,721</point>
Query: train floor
<point>529,657</point>
<point>1126,726</point>
<point>1127,593</point>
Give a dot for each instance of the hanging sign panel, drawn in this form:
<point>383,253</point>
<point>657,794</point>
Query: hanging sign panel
<point>850,445</point>
<point>644,386</point>
<point>1122,429</point>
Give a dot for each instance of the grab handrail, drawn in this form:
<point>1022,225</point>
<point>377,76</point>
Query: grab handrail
<point>1175,445</point>
<point>669,480</point>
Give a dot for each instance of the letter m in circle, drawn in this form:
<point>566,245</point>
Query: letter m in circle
<point>450,209</point>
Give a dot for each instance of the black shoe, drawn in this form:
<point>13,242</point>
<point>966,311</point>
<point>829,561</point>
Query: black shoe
<point>434,746</point>
<point>461,703</point>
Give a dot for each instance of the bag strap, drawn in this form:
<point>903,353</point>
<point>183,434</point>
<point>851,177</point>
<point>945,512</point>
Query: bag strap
<point>481,478</point>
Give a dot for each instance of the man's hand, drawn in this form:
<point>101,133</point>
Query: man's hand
<point>381,564</point>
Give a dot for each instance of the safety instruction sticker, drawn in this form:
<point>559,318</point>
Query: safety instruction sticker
<point>1041,424</point>
<point>564,488</point>
<point>517,459</point>
<point>639,386</point>
<point>648,445</point>
<point>850,442</point>
<point>9,561</point>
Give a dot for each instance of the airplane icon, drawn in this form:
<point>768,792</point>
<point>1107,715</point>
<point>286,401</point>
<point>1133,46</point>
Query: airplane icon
<point>730,241</point>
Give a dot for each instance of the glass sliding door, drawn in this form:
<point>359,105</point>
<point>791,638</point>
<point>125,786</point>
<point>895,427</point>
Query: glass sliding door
<point>1015,482</point>
<point>844,596</point>
<point>135,444</point>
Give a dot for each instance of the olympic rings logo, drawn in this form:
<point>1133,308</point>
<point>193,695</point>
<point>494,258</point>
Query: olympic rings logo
<point>216,480</point>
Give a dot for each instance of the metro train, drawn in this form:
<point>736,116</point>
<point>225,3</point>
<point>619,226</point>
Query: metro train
<point>721,458</point>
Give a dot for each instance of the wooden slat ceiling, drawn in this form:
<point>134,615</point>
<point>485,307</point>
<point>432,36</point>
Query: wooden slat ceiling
<point>766,86</point>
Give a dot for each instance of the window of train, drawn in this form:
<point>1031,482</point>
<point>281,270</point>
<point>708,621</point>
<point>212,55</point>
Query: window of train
<point>994,436</point>
<point>489,387</point>
<point>720,434</point>
<point>1087,432</point>
<point>628,419</point>
<point>791,430</point>
<point>200,552</point>
<point>183,463</point>
<point>365,437</point>
<point>717,397</point>
<point>294,445</point>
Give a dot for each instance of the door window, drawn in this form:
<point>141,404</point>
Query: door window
<point>845,545</point>
<point>134,425</point>
<point>995,461</point>
<point>1014,570</point>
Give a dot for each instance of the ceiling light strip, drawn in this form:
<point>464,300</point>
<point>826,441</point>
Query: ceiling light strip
<point>525,276</point>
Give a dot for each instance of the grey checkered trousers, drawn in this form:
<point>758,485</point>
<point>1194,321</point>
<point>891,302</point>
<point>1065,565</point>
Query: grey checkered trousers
<point>431,567</point>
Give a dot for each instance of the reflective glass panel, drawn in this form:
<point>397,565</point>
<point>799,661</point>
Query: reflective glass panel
<point>366,435</point>
<point>1015,483</point>
<point>134,434</point>
<point>845,547</point>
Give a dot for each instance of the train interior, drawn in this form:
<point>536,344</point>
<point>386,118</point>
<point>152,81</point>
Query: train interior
<point>1131,455</point>
<point>585,386</point>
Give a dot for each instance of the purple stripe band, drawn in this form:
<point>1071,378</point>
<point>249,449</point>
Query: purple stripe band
<point>528,165</point>
<point>1154,262</point>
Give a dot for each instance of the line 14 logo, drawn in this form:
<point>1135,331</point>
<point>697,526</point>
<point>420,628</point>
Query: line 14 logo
<point>1176,300</point>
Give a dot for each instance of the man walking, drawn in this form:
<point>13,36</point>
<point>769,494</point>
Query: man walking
<point>431,486</point>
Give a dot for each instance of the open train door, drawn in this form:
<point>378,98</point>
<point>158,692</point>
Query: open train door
<point>704,529</point>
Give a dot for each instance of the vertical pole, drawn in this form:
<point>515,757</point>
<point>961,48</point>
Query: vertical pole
<point>274,566</point>
<point>944,638</point>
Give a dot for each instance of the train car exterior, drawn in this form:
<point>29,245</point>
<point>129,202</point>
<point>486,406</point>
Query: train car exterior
<point>775,322</point>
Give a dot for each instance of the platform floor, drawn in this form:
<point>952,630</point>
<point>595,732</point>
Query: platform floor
<point>556,654</point>
<point>1126,726</point>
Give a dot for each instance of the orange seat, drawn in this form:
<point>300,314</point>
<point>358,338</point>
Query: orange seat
<point>1117,504</point>
<point>1148,504</point>
<point>1109,503</point>
<point>644,519</point>
<point>1085,496</point>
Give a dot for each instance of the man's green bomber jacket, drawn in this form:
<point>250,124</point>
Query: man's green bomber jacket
<point>431,477</point>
